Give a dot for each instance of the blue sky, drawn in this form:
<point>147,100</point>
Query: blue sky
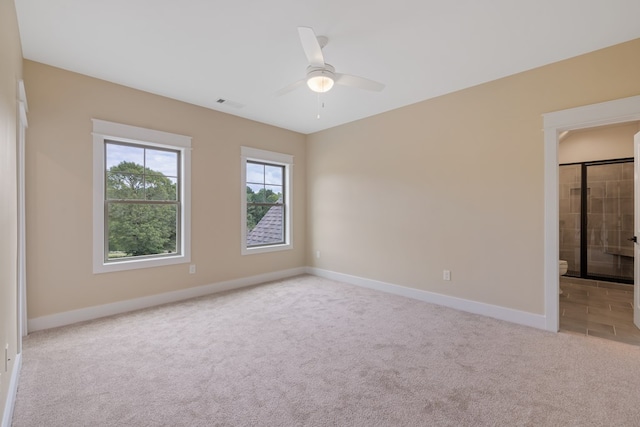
<point>157,160</point>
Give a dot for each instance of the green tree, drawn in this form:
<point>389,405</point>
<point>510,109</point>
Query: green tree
<point>137,228</point>
<point>255,212</point>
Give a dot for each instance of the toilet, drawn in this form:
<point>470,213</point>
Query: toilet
<point>563,267</point>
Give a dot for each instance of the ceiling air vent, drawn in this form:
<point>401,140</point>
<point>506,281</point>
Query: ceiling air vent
<point>229,103</point>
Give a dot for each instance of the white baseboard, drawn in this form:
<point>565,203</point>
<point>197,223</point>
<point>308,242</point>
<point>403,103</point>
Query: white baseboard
<point>10,403</point>
<point>95,312</point>
<point>497,312</point>
<point>90,313</point>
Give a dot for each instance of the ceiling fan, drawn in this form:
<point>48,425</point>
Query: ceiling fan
<point>320,75</point>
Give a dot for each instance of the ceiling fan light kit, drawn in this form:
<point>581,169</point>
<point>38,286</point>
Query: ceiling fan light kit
<point>321,79</point>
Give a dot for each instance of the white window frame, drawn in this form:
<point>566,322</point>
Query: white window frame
<point>108,131</point>
<point>263,156</point>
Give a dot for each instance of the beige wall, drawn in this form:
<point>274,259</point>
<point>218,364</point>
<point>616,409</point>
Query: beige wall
<point>10,74</point>
<point>602,143</point>
<point>453,183</point>
<point>398,197</point>
<point>59,191</point>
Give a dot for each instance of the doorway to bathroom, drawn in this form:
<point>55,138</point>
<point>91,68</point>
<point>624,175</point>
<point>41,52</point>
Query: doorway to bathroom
<point>558,124</point>
<point>596,213</point>
<point>596,228</point>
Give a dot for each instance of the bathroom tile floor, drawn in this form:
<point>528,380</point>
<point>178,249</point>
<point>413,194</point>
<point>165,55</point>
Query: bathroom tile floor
<point>599,309</point>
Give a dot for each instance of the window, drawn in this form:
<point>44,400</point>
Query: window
<point>266,201</point>
<point>141,197</point>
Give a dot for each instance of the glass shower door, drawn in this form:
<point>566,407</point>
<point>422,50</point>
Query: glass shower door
<point>609,220</point>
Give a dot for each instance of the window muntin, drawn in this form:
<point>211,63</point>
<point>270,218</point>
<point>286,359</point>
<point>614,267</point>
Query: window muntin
<point>142,201</point>
<point>267,189</point>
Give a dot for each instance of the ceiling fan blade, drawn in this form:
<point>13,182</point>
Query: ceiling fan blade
<point>291,87</point>
<point>311,47</point>
<point>359,82</point>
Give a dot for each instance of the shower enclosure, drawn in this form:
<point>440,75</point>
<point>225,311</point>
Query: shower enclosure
<point>596,219</point>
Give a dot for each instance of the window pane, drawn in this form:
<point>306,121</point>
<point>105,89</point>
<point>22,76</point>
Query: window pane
<point>125,158</point>
<point>255,193</point>
<point>273,174</point>
<point>122,185</point>
<point>159,187</point>
<point>162,162</point>
<point>137,230</point>
<point>255,173</point>
<point>255,214</point>
<point>273,193</point>
<point>269,225</point>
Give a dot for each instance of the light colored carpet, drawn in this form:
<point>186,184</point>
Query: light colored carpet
<point>311,352</point>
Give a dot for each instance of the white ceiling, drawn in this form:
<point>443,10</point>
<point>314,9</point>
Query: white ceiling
<point>245,50</point>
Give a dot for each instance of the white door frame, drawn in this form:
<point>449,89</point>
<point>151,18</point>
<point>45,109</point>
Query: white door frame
<point>636,225</point>
<point>605,113</point>
<point>22,270</point>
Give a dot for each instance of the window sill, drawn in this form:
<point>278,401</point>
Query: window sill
<point>265,249</point>
<point>134,264</point>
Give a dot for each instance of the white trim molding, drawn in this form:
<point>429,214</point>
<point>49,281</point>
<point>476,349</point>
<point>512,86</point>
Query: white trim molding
<point>103,130</point>
<point>22,103</point>
<point>605,113</point>
<point>96,312</point>
<point>497,312</point>
<point>74,316</point>
<point>23,109</point>
<point>12,392</point>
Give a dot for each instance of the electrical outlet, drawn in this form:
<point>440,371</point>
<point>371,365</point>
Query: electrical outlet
<point>318,254</point>
<point>192,269</point>
<point>446,275</point>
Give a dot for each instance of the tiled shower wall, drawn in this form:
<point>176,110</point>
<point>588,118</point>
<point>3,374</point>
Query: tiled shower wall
<point>609,219</point>
<point>570,179</point>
